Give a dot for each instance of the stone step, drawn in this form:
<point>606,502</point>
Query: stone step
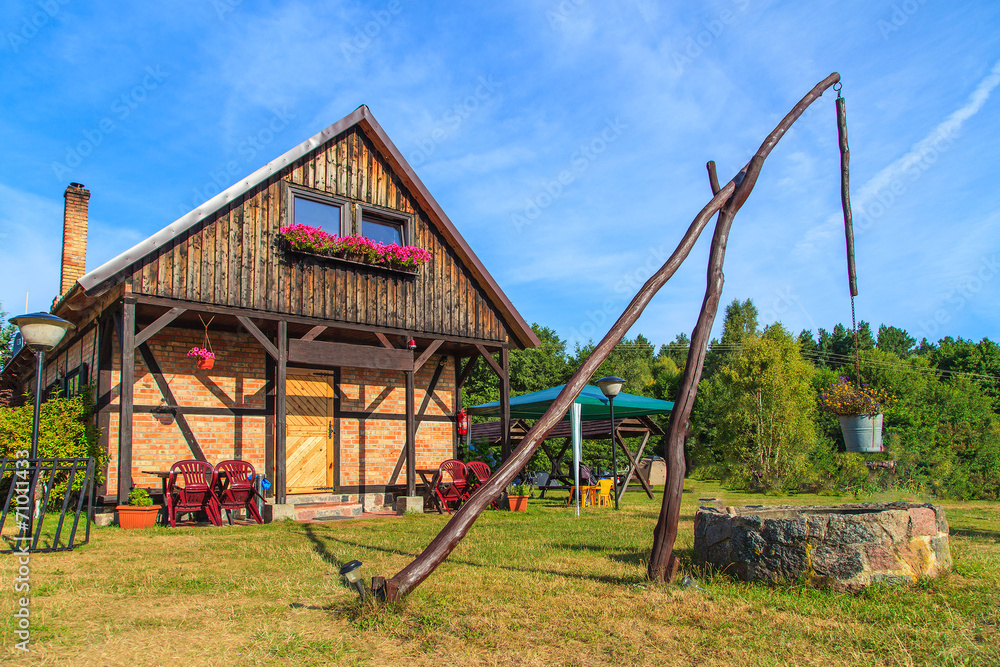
<point>326,511</point>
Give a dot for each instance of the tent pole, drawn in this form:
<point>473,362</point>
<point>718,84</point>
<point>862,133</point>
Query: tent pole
<point>576,424</point>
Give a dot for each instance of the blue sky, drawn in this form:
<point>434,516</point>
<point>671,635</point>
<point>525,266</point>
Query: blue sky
<point>155,107</point>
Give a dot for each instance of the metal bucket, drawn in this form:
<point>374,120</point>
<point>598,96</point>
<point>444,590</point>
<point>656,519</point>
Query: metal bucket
<point>862,433</point>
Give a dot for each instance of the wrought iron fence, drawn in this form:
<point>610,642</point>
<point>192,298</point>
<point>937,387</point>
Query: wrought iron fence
<point>37,484</point>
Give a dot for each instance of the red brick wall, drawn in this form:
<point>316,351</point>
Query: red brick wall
<point>237,380</point>
<point>369,448</point>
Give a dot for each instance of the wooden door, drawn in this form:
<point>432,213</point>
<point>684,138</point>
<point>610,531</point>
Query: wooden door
<point>309,428</point>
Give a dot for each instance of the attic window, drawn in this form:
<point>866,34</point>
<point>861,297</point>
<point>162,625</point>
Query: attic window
<point>382,229</point>
<point>317,212</point>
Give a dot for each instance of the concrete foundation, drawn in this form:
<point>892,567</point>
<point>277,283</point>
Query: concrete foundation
<point>410,504</point>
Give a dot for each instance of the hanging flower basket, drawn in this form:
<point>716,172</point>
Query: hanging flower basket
<point>862,433</point>
<point>202,358</point>
<point>860,410</point>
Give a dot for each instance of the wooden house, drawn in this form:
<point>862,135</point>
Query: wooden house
<point>336,379</point>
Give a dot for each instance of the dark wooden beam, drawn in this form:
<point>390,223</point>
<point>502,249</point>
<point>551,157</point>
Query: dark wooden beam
<point>466,370</point>
<point>497,368</point>
<point>168,396</point>
<point>420,417</point>
<point>127,346</point>
<point>426,354</point>
<point>313,333</point>
<point>634,467</point>
<point>105,363</point>
<point>259,335</point>
<point>160,322</point>
<point>269,427</point>
<point>335,355</point>
<point>196,306</point>
<point>505,402</point>
<point>411,436</point>
<point>171,409</point>
<point>382,339</point>
<point>279,413</point>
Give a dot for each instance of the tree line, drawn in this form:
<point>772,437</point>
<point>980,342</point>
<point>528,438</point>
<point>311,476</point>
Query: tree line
<point>756,424</point>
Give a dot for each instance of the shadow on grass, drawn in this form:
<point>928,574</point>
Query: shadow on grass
<point>973,532</point>
<point>587,577</point>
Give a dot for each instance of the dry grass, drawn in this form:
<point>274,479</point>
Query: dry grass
<point>541,588</point>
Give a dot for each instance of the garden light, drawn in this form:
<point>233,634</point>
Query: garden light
<point>350,573</point>
<point>610,386</point>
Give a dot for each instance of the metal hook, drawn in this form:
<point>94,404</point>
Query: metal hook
<point>837,86</point>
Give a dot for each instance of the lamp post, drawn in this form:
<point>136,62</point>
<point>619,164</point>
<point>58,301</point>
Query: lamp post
<point>610,386</point>
<point>41,333</point>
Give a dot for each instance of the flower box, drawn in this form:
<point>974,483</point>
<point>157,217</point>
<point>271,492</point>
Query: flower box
<point>357,250</point>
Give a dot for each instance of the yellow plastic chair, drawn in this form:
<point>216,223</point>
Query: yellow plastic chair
<point>604,492</point>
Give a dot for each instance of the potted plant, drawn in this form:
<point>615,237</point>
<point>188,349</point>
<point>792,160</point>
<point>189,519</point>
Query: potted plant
<point>361,249</point>
<point>517,496</point>
<point>860,409</point>
<point>203,357</point>
<point>140,511</point>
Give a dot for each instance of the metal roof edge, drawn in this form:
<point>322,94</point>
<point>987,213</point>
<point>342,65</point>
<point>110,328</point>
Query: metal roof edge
<point>107,270</point>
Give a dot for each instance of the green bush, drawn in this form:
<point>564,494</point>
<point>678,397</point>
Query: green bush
<point>65,430</point>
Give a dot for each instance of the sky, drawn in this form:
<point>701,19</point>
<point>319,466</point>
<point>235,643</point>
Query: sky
<point>566,139</point>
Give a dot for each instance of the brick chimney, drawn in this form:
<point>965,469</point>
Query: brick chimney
<point>74,250</point>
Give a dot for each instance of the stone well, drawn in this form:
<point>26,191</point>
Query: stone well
<point>847,547</point>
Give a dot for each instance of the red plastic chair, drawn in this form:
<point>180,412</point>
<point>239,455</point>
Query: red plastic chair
<point>196,494</point>
<point>236,491</point>
<point>482,473</point>
<point>454,491</point>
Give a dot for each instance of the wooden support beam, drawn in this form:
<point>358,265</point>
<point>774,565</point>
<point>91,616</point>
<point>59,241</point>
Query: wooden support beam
<point>497,368</point>
<point>426,354</point>
<point>466,370</point>
<point>411,434</point>
<point>168,396</point>
<point>259,335</point>
<point>280,412</point>
<point>126,338</point>
<point>160,322</point>
<point>505,403</point>
<point>634,466</point>
<point>313,333</point>
<point>419,417</point>
<point>335,355</point>
<point>105,363</point>
<point>382,339</point>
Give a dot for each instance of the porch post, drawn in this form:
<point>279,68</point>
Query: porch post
<point>505,403</point>
<point>127,339</point>
<point>411,446</point>
<point>279,413</point>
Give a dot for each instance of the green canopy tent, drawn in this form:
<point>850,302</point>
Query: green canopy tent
<point>591,403</point>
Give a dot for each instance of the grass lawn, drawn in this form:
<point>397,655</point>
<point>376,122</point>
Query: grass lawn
<point>541,588</point>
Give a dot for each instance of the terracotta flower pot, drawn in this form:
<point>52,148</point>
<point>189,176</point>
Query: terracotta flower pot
<point>205,362</point>
<point>130,516</point>
<point>518,503</point>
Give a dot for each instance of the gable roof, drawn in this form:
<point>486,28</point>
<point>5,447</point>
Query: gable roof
<point>100,279</point>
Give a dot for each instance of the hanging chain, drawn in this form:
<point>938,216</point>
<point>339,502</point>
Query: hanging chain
<point>207,343</point>
<point>857,358</point>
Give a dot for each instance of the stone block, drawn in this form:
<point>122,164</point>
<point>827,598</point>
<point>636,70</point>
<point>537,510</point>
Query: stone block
<point>277,512</point>
<point>105,519</point>
<point>923,521</point>
<point>409,505</point>
<point>837,562</point>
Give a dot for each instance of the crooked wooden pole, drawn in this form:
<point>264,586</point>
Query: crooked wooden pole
<point>441,546</point>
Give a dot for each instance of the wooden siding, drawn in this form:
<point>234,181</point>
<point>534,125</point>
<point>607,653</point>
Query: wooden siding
<point>234,258</point>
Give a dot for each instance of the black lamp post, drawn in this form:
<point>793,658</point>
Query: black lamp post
<point>41,333</point>
<point>610,386</point>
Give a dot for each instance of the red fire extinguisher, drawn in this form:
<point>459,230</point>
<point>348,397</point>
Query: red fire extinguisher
<point>463,423</point>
